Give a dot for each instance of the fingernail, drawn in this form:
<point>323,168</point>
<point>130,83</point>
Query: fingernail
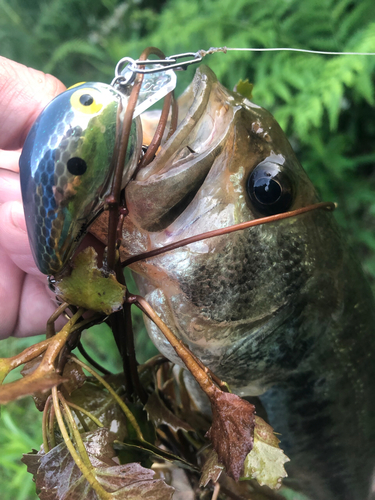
<point>18,217</point>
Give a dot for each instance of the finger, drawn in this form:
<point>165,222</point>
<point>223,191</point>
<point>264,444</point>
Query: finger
<point>36,306</point>
<point>13,235</point>
<point>10,189</point>
<point>14,239</point>
<point>9,160</point>
<point>24,92</point>
<point>11,279</point>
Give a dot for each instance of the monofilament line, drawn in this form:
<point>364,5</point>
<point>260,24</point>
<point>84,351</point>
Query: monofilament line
<point>212,50</point>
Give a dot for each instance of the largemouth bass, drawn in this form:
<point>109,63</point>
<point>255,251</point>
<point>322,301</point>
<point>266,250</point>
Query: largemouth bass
<point>281,311</point>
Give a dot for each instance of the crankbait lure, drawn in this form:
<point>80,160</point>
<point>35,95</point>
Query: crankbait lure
<point>65,169</point>
<point>67,162</point>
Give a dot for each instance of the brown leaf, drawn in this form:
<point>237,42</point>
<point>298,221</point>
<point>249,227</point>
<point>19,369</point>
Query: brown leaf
<point>73,375</point>
<point>59,478</point>
<point>32,461</point>
<point>159,414</point>
<point>211,470</point>
<point>232,430</point>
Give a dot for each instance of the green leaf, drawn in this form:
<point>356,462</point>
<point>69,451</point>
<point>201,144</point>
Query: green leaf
<point>265,462</point>
<point>245,88</point>
<point>88,287</point>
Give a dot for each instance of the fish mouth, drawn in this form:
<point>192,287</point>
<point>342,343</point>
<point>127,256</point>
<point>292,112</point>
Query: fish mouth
<point>162,190</point>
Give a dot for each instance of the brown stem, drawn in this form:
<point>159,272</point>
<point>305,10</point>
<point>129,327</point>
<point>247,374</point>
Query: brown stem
<point>156,140</point>
<point>226,230</point>
<point>182,351</point>
<point>92,362</point>
<point>113,199</point>
<point>51,427</point>
<point>46,411</point>
<point>51,321</point>
<point>139,390</point>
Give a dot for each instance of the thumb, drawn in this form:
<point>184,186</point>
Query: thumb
<point>24,92</point>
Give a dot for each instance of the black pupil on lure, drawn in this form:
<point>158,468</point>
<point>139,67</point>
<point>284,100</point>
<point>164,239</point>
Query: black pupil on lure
<point>76,166</point>
<point>270,189</point>
<point>86,99</point>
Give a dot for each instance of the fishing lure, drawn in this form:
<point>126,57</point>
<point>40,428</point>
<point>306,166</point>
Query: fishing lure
<point>65,169</point>
<point>67,162</point>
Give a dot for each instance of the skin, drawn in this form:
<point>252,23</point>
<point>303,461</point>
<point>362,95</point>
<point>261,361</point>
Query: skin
<point>25,300</point>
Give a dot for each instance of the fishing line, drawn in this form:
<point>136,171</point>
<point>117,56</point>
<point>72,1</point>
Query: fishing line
<point>174,62</point>
<point>213,50</point>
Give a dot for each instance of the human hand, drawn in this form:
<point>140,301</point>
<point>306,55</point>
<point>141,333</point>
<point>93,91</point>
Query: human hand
<point>25,300</point>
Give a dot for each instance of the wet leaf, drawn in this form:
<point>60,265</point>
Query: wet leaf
<point>97,400</point>
<point>146,426</point>
<point>31,460</point>
<point>232,430</point>
<point>88,287</point>
<point>211,470</point>
<point>57,476</point>
<point>159,414</point>
<point>265,462</point>
<point>245,88</point>
<point>73,375</point>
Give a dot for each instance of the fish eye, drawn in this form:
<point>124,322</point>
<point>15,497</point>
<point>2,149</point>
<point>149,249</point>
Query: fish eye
<point>270,189</point>
<point>76,166</point>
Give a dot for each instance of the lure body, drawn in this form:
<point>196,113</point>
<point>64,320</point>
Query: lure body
<point>66,169</point>
<point>281,311</point>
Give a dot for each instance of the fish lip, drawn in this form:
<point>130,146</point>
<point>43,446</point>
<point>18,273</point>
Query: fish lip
<point>162,190</point>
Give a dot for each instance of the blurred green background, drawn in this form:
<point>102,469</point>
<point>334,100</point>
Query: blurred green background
<point>325,104</point>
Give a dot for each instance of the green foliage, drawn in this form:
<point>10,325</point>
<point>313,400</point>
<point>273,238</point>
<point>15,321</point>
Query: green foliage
<point>326,105</point>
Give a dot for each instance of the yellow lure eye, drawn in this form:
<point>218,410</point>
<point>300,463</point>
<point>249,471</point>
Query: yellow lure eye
<point>87,100</point>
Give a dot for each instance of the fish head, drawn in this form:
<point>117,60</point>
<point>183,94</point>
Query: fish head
<point>235,299</point>
<point>66,169</point>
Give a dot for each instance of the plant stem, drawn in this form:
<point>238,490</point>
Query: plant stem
<point>87,472</point>
<point>51,425</point>
<point>77,436</point>
<point>28,354</point>
<point>47,408</point>
<point>120,402</point>
<point>51,320</point>
<point>85,412</point>
<point>225,230</point>
<point>182,351</point>
<point>92,362</point>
